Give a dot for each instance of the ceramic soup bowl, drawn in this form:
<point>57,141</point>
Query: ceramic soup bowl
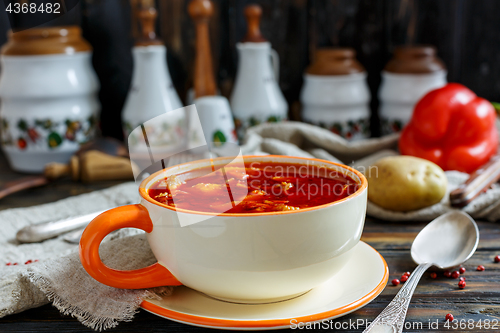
<point>245,258</point>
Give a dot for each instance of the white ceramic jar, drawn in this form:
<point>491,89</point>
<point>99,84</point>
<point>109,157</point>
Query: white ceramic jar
<point>215,118</point>
<point>413,72</point>
<point>48,92</point>
<point>151,93</point>
<point>400,92</point>
<point>335,94</point>
<point>151,102</point>
<point>256,97</point>
<point>338,103</point>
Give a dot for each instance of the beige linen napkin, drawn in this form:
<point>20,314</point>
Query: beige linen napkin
<point>58,276</point>
<point>304,140</point>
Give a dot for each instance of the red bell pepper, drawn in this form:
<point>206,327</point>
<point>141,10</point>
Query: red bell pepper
<point>453,128</point>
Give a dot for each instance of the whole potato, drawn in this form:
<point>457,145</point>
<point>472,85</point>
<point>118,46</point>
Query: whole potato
<point>404,183</point>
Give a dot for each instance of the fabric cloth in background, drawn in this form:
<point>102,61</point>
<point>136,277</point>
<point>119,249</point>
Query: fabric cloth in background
<point>304,140</point>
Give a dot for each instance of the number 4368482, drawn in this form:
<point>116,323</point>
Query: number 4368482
<point>49,8</point>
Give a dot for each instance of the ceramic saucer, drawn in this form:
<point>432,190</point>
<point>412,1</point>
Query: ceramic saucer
<point>346,292</point>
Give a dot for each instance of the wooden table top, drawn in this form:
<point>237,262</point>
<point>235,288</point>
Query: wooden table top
<point>433,299</point>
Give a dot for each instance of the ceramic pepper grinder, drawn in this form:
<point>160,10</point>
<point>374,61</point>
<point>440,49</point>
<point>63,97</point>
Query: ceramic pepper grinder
<point>256,96</point>
<point>214,111</point>
<point>335,94</point>
<point>204,82</point>
<point>408,76</point>
<point>152,92</point>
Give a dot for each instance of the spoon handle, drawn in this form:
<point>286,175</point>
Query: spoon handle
<point>392,318</point>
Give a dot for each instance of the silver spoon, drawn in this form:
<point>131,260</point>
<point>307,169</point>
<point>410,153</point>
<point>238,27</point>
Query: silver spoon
<point>446,242</point>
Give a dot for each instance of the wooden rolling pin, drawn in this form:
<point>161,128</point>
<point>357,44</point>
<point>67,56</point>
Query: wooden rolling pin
<point>204,81</point>
<point>479,181</point>
<point>91,166</point>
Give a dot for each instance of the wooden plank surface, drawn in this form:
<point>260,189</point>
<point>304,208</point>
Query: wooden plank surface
<point>432,300</point>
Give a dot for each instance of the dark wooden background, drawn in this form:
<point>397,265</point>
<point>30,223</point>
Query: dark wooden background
<point>465,32</point>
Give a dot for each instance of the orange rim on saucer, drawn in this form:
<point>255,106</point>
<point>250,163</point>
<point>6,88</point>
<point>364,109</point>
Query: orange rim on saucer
<point>271,323</point>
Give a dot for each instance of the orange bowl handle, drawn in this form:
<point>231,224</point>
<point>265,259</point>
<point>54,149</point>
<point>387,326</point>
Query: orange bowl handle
<point>130,216</point>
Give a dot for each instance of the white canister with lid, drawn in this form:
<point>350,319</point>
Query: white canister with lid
<point>152,93</point>
<point>215,117</point>
<point>256,97</point>
<point>48,93</point>
<point>407,77</point>
<point>335,94</point>
<point>152,99</point>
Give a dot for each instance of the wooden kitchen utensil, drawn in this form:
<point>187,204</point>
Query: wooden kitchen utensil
<point>204,81</point>
<point>102,159</point>
<point>92,166</point>
<point>253,13</point>
<point>147,17</point>
<point>478,181</point>
<point>22,184</point>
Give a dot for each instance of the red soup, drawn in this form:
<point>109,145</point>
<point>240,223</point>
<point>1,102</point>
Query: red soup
<point>257,188</point>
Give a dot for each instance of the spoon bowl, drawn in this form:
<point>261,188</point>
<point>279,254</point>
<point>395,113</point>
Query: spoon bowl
<point>447,241</point>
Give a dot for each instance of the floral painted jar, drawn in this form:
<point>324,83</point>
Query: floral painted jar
<point>335,94</point>
<point>48,96</point>
<point>408,76</point>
